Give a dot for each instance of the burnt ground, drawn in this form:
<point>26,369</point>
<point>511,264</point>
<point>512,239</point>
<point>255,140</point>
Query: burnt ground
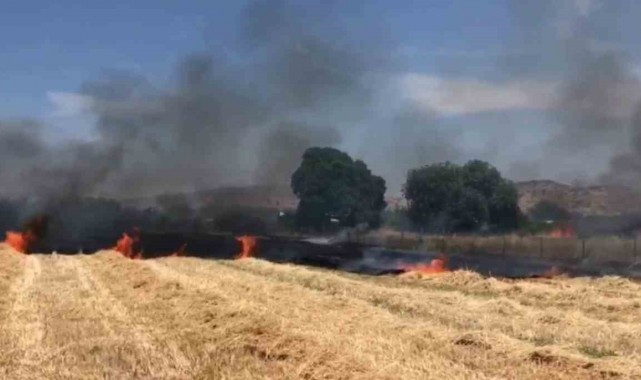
<point>350,257</point>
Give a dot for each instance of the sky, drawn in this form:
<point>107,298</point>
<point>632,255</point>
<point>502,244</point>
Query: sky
<point>453,58</point>
<point>55,46</point>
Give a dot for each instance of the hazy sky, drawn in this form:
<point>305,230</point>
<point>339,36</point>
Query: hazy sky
<point>54,46</point>
<point>462,66</point>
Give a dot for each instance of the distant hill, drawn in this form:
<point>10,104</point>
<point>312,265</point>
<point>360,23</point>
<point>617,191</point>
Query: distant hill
<point>588,200</point>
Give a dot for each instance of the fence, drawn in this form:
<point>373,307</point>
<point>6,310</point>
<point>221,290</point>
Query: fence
<point>598,249</point>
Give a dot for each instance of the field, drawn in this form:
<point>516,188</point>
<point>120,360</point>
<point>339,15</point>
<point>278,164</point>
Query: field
<point>105,316</point>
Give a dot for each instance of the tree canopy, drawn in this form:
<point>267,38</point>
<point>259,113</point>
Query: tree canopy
<point>331,185</point>
<point>447,197</point>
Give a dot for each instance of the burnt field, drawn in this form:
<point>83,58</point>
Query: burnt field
<point>180,305</point>
<point>108,316</point>
<point>345,256</point>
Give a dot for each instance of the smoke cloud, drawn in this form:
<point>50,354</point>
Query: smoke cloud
<point>581,46</point>
<point>217,123</point>
<point>305,75</point>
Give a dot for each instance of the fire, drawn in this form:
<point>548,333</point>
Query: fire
<point>34,230</point>
<point>563,232</point>
<point>20,241</point>
<point>249,246</point>
<point>129,245</point>
<point>438,265</point>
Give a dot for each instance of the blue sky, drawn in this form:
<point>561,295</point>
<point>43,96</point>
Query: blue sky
<point>56,45</point>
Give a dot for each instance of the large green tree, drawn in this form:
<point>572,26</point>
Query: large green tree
<point>330,184</point>
<point>447,197</point>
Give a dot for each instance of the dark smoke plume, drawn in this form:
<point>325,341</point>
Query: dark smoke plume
<point>282,150</point>
<point>217,123</point>
<point>304,75</point>
<point>581,46</point>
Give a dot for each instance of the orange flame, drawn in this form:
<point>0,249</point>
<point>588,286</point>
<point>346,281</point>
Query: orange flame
<point>249,246</point>
<point>128,245</point>
<point>438,265</point>
<point>34,229</point>
<point>563,232</point>
<point>20,241</point>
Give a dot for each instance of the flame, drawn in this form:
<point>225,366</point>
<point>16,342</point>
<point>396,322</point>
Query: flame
<point>20,241</point>
<point>34,230</point>
<point>129,245</point>
<point>438,265</point>
<point>249,246</point>
<point>566,232</point>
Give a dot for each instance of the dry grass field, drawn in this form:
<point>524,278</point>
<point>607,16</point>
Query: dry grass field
<point>105,316</point>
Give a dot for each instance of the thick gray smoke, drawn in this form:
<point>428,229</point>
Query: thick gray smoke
<point>581,46</point>
<point>302,75</point>
<point>415,138</point>
<point>283,149</point>
<point>218,123</point>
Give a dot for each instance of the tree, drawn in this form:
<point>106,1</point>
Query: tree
<point>430,191</point>
<point>468,211</point>
<point>446,197</point>
<point>331,185</point>
<point>482,177</point>
<point>503,205</point>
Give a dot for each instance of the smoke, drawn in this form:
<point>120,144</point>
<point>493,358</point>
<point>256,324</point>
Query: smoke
<point>581,46</point>
<point>297,75</point>
<point>282,150</point>
<point>216,123</point>
<point>416,138</point>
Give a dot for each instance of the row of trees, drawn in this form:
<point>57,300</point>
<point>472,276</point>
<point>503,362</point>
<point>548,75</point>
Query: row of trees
<point>336,191</point>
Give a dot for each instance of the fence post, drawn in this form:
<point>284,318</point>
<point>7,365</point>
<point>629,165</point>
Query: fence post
<point>503,250</point>
<point>583,248</point>
<point>634,250</point>
<point>541,246</point>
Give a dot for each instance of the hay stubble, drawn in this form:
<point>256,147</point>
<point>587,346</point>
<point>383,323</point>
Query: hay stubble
<point>104,316</point>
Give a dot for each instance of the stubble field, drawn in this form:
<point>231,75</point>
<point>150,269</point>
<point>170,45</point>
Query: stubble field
<point>106,316</point>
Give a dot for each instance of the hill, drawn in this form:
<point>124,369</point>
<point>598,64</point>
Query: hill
<point>585,200</point>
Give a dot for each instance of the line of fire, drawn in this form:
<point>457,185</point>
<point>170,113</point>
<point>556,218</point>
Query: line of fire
<point>341,249</point>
